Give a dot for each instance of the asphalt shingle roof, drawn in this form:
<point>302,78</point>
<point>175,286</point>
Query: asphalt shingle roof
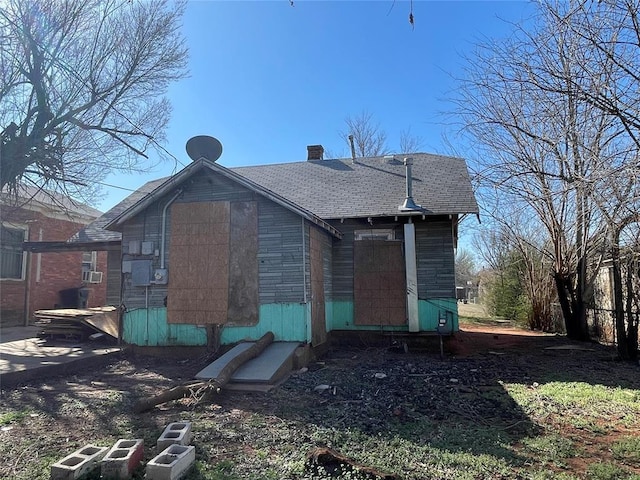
<point>29,195</point>
<point>340,188</point>
<point>370,187</point>
<point>95,231</point>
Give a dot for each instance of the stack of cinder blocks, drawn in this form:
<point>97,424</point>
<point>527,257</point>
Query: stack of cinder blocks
<point>175,459</point>
<point>176,456</point>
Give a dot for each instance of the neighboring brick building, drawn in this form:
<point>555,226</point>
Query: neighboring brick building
<point>34,281</point>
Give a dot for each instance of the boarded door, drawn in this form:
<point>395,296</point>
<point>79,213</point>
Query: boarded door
<point>198,289</point>
<point>318,318</point>
<point>243,264</point>
<point>379,283</point>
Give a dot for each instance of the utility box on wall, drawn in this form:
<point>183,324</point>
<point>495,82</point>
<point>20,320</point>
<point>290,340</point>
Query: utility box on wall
<point>140,273</point>
<point>160,276</point>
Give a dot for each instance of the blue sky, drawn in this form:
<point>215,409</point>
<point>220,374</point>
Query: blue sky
<point>267,79</point>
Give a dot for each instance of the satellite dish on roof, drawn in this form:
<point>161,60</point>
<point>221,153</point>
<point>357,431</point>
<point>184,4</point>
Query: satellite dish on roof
<point>204,146</point>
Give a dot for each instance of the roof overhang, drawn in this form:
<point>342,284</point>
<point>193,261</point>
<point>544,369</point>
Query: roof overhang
<point>42,247</point>
<point>176,180</point>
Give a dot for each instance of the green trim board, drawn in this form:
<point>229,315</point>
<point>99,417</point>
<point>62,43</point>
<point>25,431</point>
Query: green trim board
<point>342,316</point>
<point>289,322</point>
<point>283,319</point>
<point>149,327</point>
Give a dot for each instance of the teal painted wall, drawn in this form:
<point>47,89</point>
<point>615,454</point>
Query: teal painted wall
<point>429,311</point>
<point>287,321</point>
<point>149,327</point>
<point>342,315</point>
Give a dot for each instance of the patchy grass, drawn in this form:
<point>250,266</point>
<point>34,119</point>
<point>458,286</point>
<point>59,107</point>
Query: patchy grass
<point>13,417</point>
<point>627,449</point>
<point>609,471</point>
<point>528,414</point>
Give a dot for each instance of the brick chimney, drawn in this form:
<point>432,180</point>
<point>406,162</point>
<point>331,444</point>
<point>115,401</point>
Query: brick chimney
<point>315,152</point>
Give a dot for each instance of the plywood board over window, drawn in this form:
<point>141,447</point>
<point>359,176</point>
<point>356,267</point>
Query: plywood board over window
<point>379,283</point>
<point>198,287</point>
<point>243,264</point>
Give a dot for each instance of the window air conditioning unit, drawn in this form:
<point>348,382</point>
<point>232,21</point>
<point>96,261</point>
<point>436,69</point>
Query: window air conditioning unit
<point>92,277</point>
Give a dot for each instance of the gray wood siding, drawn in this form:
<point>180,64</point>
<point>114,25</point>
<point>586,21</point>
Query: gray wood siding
<point>434,248</point>
<point>147,227</point>
<point>327,264</point>
<point>342,255</point>
<point>114,259</point>
<point>436,260</point>
<point>342,264</point>
<point>280,268</point>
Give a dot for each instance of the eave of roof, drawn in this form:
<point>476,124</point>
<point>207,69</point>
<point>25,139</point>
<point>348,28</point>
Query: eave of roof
<point>40,247</point>
<point>175,181</point>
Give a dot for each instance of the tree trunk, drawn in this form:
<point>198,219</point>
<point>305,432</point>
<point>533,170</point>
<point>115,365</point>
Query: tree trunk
<point>579,307</point>
<point>618,302</point>
<point>565,304</point>
<point>200,389</point>
<point>632,318</point>
<point>573,311</point>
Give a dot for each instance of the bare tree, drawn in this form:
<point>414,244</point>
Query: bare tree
<point>368,138</point>
<point>410,143</point>
<point>509,235</point>
<point>544,146</point>
<point>609,31</point>
<point>81,87</point>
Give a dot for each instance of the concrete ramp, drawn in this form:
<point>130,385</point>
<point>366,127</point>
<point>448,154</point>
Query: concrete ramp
<point>258,374</point>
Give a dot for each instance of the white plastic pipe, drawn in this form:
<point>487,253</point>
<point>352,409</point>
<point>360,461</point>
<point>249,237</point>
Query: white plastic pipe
<point>411,272</point>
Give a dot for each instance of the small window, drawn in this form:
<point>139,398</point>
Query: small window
<point>89,262</point>
<point>90,272</point>
<point>375,234</point>
<point>12,258</point>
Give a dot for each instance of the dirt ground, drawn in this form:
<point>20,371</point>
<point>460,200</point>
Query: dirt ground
<point>373,389</point>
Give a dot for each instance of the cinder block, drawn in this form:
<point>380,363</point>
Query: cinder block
<point>172,463</point>
<point>123,458</point>
<point>79,463</point>
<point>177,433</point>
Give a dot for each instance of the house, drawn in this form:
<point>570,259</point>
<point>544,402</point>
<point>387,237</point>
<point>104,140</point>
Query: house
<point>302,249</point>
<point>31,281</point>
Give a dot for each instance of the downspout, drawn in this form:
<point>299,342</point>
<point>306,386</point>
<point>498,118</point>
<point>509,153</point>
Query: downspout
<point>163,235</point>
<point>411,276</point>
<point>163,241</point>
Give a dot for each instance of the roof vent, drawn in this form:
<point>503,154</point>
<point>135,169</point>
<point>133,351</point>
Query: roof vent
<point>409,205</point>
<point>315,152</point>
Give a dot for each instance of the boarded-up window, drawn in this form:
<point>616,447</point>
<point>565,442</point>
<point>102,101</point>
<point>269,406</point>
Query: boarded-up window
<point>379,283</point>
<point>243,264</point>
<point>198,288</point>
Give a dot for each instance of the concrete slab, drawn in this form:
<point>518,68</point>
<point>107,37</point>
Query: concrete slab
<point>265,367</point>
<point>24,356</point>
<point>268,367</point>
<point>213,369</point>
